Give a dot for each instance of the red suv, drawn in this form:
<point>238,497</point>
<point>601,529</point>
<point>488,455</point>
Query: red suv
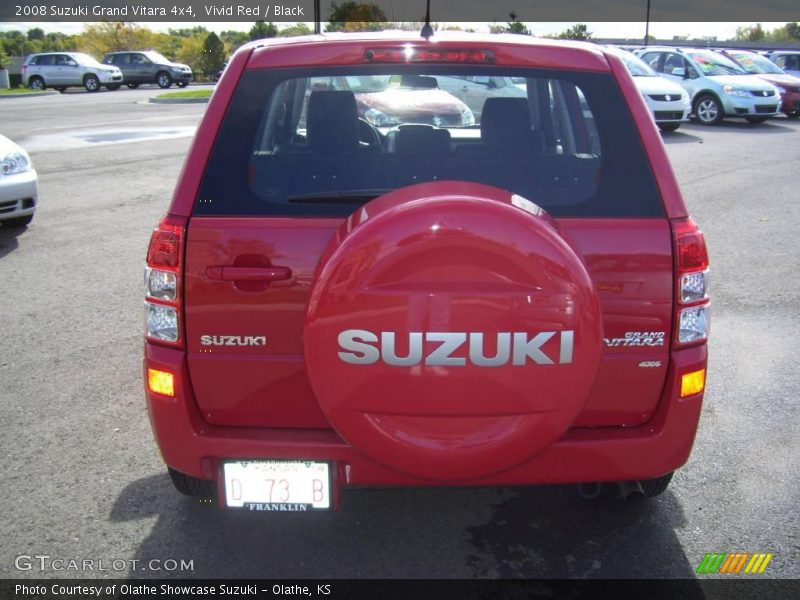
<point>331,302</point>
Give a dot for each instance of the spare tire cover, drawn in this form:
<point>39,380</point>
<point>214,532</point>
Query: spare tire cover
<point>451,332</point>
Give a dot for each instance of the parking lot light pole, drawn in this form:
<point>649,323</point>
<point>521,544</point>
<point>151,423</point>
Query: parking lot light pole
<point>647,25</point>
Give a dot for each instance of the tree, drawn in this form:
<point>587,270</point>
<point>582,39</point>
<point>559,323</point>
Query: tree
<point>191,52</point>
<point>261,30</point>
<point>213,54</point>
<point>35,34</point>
<point>514,26</point>
<point>793,30</point>
<point>100,38</point>
<point>297,29</point>
<point>753,33</point>
<point>355,16</point>
<point>578,31</point>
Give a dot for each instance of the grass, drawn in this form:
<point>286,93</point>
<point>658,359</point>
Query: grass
<point>18,90</point>
<point>186,94</point>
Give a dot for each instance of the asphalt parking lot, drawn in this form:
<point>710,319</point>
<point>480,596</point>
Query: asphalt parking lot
<point>82,478</point>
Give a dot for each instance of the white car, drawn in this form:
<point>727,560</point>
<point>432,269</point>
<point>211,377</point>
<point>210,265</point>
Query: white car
<point>668,102</point>
<point>61,70</point>
<point>18,188</point>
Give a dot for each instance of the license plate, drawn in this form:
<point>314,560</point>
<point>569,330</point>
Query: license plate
<point>277,485</point>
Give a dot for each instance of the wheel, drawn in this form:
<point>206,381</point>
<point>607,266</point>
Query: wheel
<point>163,80</point>
<point>183,84</point>
<point>114,86</point>
<point>756,119</point>
<point>36,83</point>
<point>657,486</point>
<point>61,89</point>
<point>793,115</point>
<point>18,221</point>
<point>91,83</point>
<point>668,126</point>
<point>190,486</point>
<point>132,86</point>
<point>708,110</point>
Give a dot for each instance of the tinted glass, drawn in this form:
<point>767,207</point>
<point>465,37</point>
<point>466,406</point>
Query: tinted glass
<point>322,142</point>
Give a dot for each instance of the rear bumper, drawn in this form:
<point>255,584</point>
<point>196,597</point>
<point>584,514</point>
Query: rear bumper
<point>190,445</point>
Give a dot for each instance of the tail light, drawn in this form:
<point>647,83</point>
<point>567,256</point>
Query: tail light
<point>413,54</point>
<point>162,279</point>
<point>691,268</point>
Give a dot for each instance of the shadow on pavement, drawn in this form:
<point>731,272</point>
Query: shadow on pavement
<point>8,239</point>
<point>680,137</point>
<point>543,532</point>
<point>769,126</point>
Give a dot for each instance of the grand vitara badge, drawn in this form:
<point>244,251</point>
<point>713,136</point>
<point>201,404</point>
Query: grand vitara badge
<point>362,347</point>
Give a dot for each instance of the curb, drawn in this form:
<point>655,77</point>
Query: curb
<point>178,100</point>
<point>29,95</point>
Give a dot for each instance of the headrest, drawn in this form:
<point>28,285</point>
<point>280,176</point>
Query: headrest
<point>419,140</point>
<point>506,124</point>
<point>332,121</point>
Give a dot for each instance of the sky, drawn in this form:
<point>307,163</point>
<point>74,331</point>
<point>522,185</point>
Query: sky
<point>599,30</point>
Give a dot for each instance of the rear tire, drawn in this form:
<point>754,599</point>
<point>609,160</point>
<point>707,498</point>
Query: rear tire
<point>668,126</point>
<point>163,80</point>
<point>91,83</point>
<point>191,486</point>
<point>793,115</point>
<point>37,83</point>
<point>708,110</point>
<point>18,221</point>
<point>657,486</point>
<point>756,119</point>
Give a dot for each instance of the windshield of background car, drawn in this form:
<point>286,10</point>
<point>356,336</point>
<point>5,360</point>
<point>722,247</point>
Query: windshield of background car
<point>85,59</point>
<point>713,63</point>
<point>323,141</point>
<point>755,64</point>
<point>156,57</point>
<point>635,65</point>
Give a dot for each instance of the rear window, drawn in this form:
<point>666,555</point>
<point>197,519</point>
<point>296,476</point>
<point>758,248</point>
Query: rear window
<point>321,142</point>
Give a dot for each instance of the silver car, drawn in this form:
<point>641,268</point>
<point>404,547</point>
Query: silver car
<point>18,189</point>
<point>669,104</point>
<point>61,70</point>
<point>718,86</point>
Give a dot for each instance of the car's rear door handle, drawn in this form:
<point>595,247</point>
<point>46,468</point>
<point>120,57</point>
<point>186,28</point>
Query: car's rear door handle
<point>248,273</point>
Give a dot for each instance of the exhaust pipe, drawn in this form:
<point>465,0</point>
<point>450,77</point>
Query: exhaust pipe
<point>589,491</point>
<point>631,491</point>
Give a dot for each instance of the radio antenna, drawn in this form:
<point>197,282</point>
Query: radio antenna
<point>427,30</point>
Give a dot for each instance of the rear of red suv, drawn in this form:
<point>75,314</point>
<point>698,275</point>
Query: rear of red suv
<point>340,298</point>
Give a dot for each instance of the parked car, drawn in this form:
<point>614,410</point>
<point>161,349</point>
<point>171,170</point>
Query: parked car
<point>18,188</point>
<point>149,66</point>
<point>474,90</point>
<point>788,60</point>
<point>668,102</point>
<point>388,101</point>
<point>334,300</point>
<point>718,86</point>
<point>763,68</point>
<point>61,70</point>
